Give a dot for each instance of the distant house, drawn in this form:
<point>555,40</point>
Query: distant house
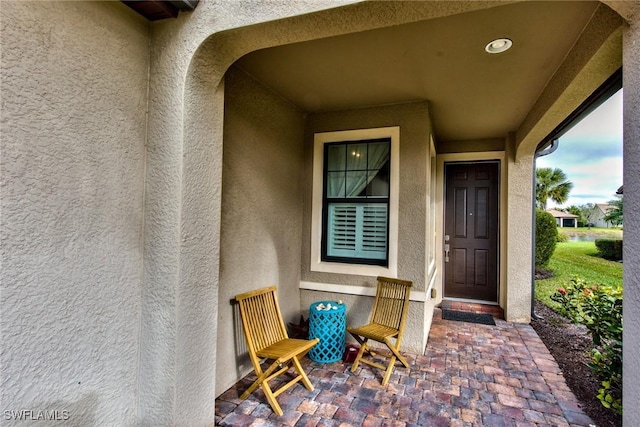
<point>600,211</point>
<point>564,219</point>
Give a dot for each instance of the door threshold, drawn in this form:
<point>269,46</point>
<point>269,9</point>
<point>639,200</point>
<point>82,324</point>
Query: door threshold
<point>470,301</point>
<point>473,306</point>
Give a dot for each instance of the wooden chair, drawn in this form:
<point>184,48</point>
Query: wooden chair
<point>386,326</point>
<point>267,339</point>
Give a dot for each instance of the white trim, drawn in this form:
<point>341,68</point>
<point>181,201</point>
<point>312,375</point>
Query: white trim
<point>432,233</point>
<point>431,286</point>
<point>319,139</point>
<point>418,296</point>
<point>431,268</point>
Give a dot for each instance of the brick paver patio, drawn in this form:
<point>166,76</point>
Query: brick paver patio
<point>470,375</point>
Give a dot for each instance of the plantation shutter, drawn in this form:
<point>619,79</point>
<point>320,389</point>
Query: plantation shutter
<point>358,230</point>
<point>374,230</point>
<point>342,229</point>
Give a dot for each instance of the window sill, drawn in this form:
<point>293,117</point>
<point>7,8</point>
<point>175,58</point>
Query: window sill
<point>354,269</point>
<point>418,296</point>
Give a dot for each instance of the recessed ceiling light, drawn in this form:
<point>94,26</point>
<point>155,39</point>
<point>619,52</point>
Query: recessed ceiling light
<point>498,46</point>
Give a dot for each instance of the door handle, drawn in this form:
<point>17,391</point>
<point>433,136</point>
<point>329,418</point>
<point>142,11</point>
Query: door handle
<point>446,248</point>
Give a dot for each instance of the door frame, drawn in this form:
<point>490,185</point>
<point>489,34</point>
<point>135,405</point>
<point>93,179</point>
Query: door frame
<point>499,157</point>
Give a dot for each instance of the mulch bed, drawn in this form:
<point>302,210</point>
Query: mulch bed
<point>570,345</point>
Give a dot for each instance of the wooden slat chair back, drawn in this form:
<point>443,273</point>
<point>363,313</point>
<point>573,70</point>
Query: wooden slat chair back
<point>267,338</point>
<point>388,318</point>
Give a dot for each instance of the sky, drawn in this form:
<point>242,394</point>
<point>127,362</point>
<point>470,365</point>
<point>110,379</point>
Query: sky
<point>590,154</point>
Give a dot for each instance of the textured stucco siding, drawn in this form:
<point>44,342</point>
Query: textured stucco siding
<point>631,303</point>
<point>261,211</point>
<point>515,293</point>
<point>74,98</point>
<point>415,130</point>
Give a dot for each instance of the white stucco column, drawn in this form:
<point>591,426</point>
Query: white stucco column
<point>517,300</point>
<point>631,304</point>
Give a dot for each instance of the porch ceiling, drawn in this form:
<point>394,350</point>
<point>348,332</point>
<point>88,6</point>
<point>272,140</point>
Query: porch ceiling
<point>473,95</point>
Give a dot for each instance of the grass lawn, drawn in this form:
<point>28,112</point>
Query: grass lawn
<point>577,259</point>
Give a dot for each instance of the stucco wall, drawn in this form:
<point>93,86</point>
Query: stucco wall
<point>631,304</point>
<point>261,211</point>
<point>74,86</point>
<point>516,292</point>
<point>415,131</point>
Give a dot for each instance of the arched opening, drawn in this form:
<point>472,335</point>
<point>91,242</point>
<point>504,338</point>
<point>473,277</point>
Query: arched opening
<point>205,138</point>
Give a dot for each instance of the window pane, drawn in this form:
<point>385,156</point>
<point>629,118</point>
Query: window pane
<point>378,183</point>
<point>336,157</point>
<point>357,157</point>
<point>378,179</point>
<point>356,184</point>
<point>378,154</point>
<point>335,184</point>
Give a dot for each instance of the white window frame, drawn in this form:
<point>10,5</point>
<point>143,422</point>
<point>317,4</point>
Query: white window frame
<point>320,139</point>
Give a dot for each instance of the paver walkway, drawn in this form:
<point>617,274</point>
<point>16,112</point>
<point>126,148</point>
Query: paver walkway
<point>470,375</point>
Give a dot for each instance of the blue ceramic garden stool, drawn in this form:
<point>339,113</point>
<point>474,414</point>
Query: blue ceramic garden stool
<point>327,321</point>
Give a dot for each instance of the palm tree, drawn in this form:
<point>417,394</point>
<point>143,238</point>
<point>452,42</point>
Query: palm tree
<point>614,215</point>
<point>551,184</point>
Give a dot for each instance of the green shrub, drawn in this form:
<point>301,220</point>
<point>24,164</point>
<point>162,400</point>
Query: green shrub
<point>599,308</point>
<point>546,237</point>
<point>562,237</point>
<point>609,249</point>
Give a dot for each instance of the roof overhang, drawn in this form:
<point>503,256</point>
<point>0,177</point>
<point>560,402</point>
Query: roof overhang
<point>155,10</point>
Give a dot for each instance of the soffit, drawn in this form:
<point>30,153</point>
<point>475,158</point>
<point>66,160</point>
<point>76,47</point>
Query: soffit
<point>473,95</point>
<point>155,10</point>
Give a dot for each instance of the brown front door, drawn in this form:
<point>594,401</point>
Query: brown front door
<point>471,231</point>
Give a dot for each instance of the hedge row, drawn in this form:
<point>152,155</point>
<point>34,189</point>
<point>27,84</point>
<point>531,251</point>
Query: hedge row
<point>546,237</point>
<point>609,249</point>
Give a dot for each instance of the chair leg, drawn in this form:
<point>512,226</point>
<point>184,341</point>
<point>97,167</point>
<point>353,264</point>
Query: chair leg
<point>255,384</point>
<point>302,373</point>
<point>262,382</point>
<point>389,370</point>
<point>271,398</point>
<point>396,353</point>
<point>363,347</point>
